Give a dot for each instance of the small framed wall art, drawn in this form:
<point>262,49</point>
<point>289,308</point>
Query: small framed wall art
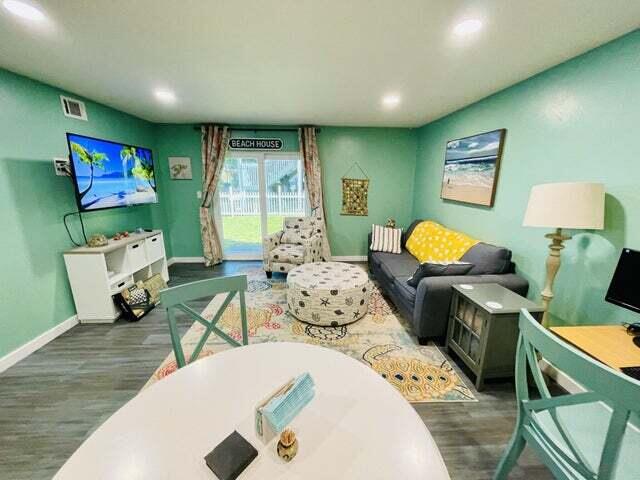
<point>355,192</point>
<point>471,167</point>
<point>180,168</point>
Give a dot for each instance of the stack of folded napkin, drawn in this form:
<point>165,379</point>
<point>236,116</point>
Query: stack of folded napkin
<point>281,408</point>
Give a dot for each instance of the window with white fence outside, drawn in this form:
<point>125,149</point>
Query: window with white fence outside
<point>255,192</point>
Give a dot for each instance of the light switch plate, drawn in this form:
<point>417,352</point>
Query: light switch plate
<point>199,194</point>
<point>61,166</point>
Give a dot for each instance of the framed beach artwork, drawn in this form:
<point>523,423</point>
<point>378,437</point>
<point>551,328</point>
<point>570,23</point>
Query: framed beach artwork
<point>180,168</point>
<point>471,167</point>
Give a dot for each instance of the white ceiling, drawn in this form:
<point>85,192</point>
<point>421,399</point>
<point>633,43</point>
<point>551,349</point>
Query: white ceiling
<point>301,61</point>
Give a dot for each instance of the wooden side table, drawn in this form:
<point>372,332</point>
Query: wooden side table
<point>483,328</point>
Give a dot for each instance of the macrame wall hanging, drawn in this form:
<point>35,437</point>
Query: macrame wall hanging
<point>354,193</point>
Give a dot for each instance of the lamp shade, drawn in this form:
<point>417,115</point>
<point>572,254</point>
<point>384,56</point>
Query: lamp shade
<point>578,205</point>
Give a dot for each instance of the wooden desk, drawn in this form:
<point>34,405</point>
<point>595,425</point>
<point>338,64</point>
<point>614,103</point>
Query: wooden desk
<point>609,344</point>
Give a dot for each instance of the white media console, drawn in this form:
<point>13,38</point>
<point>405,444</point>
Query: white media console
<point>95,274</point>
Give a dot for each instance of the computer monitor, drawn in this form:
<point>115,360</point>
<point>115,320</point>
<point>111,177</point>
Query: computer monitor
<point>624,289</point>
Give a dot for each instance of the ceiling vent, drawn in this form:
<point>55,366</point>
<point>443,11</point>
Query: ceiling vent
<point>73,108</point>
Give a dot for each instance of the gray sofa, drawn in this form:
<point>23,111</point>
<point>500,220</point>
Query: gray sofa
<point>427,307</point>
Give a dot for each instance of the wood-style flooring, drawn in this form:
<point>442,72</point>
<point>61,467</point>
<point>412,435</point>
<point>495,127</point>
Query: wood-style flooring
<point>51,401</point>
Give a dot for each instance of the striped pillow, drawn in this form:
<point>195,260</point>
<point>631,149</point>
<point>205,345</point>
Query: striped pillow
<point>385,239</point>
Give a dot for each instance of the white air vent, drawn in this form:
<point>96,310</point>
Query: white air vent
<point>73,108</point>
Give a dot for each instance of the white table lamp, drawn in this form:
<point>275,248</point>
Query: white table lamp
<point>578,205</point>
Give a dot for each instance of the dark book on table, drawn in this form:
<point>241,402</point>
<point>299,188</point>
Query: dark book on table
<point>231,457</point>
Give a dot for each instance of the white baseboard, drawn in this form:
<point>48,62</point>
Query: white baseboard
<point>173,260</point>
<point>561,378</point>
<point>343,258</point>
<point>28,348</point>
<point>349,258</point>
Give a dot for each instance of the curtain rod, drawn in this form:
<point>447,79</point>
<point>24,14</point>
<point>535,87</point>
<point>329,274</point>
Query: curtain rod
<point>262,129</point>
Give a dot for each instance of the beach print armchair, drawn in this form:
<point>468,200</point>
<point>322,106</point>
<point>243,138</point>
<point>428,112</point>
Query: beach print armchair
<point>299,241</point>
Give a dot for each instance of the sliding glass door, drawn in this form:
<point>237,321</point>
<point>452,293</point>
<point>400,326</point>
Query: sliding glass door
<point>255,192</point>
<point>240,208</point>
<point>285,193</point>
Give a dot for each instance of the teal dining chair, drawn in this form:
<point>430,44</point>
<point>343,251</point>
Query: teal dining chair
<point>589,435</point>
<point>174,298</point>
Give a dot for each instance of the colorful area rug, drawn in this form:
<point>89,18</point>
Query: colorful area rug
<point>381,339</point>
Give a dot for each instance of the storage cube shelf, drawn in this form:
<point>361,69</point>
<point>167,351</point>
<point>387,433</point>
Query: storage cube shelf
<point>483,328</point>
<point>95,274</point>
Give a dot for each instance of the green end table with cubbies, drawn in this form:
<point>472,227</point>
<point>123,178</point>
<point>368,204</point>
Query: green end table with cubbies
<point>483,328</point>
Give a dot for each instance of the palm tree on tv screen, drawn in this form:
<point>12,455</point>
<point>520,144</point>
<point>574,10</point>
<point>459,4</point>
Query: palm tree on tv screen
<point>126,155</point>
<point>93,159</point>
<point>142,169</point>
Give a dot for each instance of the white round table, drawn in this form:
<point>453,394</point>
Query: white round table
<point>357,426</point>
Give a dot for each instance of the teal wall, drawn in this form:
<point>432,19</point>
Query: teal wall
<point>181,207</point>
<point>387,155</point>
<point>576,122</point>
<point>374,149</point>
<point>35,295</point>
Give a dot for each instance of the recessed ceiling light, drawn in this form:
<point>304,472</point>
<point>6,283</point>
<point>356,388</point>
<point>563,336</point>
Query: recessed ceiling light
<point>164,95</point>
<point>391,101</point>
<point>467,27</point>
<point>24,10</point>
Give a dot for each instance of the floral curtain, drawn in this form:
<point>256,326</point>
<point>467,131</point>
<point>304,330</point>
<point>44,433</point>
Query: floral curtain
<point>313,178</point>
<point>214,145</point>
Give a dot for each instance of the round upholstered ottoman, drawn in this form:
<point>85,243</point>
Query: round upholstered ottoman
<point>328,294</point>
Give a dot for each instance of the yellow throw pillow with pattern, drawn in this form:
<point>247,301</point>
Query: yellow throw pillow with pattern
<point>431,242</point>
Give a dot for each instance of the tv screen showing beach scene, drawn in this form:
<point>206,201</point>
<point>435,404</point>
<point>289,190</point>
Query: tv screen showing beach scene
<point>109,174</point>
<point>471,168</point>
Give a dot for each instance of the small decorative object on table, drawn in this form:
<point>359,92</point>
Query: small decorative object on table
<point>288,445</point>
<point>97,240</point>
<point>121,235</point>
<point>391,223</point>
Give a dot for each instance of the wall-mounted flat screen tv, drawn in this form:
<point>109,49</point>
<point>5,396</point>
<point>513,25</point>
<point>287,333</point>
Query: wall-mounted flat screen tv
<point>109,174</point>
